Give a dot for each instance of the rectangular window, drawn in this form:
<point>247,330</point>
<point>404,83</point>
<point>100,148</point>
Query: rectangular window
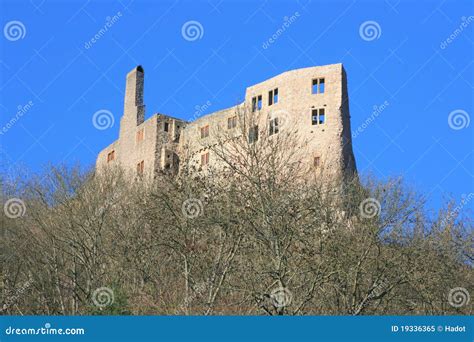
<point>111,156</point>
<point>314,117</point>
<point>318,116</point>
<point>140,135</point>
<point>317,86</point>
<point>314,87</point>
<point>205,159</point>
<point>321,85</point>
<point>166,126</point>
<point>204,132</point>
<point>317,162</point>
<point>273,126</point>
<point>140,168</point>
<point>253,134</point>
<point>232,122</point>
<point>256,103</point>
<point>322,117</point>
<point>273,96</point>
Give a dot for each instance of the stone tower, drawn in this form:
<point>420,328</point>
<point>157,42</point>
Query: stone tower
<point>133,109</point>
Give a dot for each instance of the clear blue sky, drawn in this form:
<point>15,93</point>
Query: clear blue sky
<point>405,62</point>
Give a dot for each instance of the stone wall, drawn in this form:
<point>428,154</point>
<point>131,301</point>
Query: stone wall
<point>170,142</point>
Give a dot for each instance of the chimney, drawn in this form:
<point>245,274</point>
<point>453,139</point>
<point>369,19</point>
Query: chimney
<point>134,109</point>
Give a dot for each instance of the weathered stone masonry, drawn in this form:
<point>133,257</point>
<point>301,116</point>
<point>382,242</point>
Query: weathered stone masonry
<point>313,100</point>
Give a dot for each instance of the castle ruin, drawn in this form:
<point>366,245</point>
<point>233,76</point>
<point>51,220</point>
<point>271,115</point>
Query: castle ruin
<point>313,101</point>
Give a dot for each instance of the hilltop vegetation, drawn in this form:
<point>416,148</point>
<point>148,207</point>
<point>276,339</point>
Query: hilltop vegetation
<point>255,244</point>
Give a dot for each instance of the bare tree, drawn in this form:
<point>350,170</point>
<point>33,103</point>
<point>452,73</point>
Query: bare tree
<point>257,234</point>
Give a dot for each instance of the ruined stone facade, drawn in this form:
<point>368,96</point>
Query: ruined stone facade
<point>312,101</point>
